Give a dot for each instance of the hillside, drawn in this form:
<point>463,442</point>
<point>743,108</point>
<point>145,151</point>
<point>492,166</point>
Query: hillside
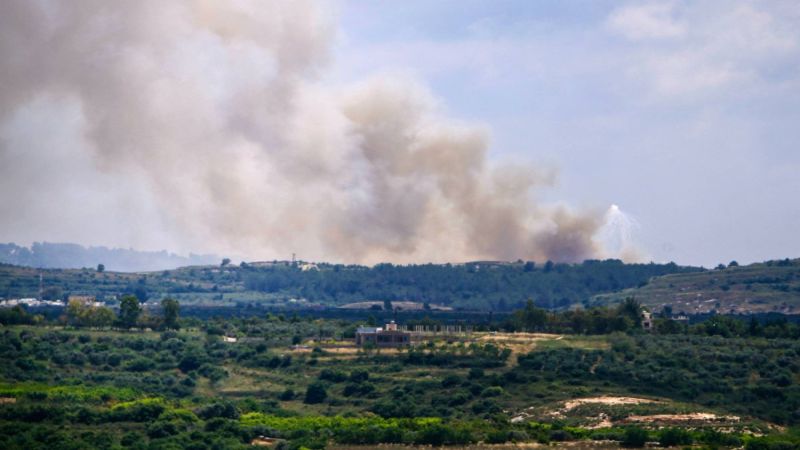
<point>773,286</point>
<point>74,256</point>
<point>498,286</point>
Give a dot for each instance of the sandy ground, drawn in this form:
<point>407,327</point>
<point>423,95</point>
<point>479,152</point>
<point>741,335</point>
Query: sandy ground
<point>682,418</point>
<point>519,343</point>
<point>602,420</point>
<point>519,337</point>
<point>604,400</point>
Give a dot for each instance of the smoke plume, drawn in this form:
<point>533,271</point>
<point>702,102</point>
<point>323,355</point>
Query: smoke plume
<point>207,126</point>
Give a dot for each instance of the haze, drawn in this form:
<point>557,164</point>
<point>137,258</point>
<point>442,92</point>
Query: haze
<point>404,131</point>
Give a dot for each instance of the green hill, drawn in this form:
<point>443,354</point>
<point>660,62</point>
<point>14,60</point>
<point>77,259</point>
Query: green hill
<point>772,286</point>
<point>485,285</point>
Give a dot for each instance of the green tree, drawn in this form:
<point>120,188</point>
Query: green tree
<point>170,309</point>
<point>315,393</point>
<point>632,309</point>
<point>129,311</point>
<point>101,316</point>
<point>531,318</point>
<point>101,268</point>
<point>387,305</point>
<point>635,437</point>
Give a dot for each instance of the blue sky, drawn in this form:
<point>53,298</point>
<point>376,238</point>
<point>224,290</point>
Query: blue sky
<point>686,114</point>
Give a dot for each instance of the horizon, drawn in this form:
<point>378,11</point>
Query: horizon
<point>235,261</point>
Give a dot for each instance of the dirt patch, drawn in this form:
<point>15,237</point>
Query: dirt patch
<point>7,400</point>
<point>604,400</point>
<point>263,441</point>
<point>682,419</point>
<point>519,337</point>
<point>518,343</point>
<point>603,420</point>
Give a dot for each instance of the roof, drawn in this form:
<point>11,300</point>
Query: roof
<point>368,330</point>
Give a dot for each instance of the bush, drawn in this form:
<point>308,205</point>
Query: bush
<point>451,380</point>
<point>139,365</point>
<point>669,437</point>
<point>315,393</point>
<point>634,437</point>
<point>225,410</point>
<point>358,376</point>
<point>335,376</point>
<point>493,391</point>
<point>286,395</point>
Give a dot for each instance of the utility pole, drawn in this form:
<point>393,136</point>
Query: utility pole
<point>41,286</point>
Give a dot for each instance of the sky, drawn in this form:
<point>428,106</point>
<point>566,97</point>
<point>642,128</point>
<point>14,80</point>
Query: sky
<point>685,114</point>
<point>404,131</point>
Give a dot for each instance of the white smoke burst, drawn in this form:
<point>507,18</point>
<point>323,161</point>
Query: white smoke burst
<point>203,125</point>
<point>618,235</point>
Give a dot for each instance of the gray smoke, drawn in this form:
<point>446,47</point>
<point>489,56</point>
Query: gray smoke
<point>204,125</point>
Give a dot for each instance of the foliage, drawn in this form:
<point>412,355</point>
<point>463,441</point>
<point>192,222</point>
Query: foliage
<point>129,311</point>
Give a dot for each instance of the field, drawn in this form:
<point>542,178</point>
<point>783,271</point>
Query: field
<point>303,382</point>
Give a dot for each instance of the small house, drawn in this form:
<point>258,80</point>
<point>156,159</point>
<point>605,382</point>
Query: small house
<point>647,320</point>
<point>389,336</point>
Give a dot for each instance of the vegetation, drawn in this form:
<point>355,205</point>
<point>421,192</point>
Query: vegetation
<point>481,285</point>
<point>772,286</point>
<point>186,387</point>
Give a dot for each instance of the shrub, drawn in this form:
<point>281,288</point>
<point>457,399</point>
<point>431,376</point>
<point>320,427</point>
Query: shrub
<point>493,391</point>
<point>225,410</point>
<point>634,437</point>
<point>451,380</point>
<point>358,376</point>
<point>669,437</point>
<point>335,376</point>
<point>315,393</point>
<point>139,365</point>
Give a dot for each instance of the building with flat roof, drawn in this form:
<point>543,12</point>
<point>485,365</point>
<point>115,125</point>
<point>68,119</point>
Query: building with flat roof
<point>389,336</point>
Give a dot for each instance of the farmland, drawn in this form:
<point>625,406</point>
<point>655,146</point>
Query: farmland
<point>304,383</point>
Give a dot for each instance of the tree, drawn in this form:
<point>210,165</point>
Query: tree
<point>170,308</point>
<point>81,313</point>
<point>129,311</point>
<point>102,316</point>
<point>635,437</point>
<point>733,264</point>
<point>101,268</point>
<point>387,305</point>
<point>632,309</point>
<point>225,262</point>
<point>315,393</point>
<point>531,317</point>
<point>141,293</point>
